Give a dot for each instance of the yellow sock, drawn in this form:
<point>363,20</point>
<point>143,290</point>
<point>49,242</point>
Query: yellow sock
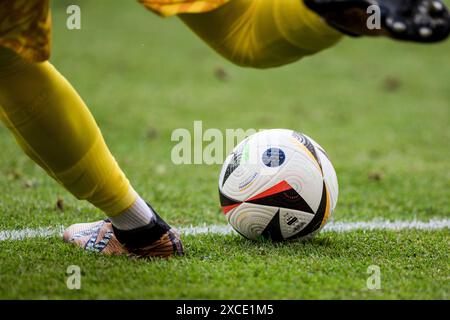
<point>55,128</point>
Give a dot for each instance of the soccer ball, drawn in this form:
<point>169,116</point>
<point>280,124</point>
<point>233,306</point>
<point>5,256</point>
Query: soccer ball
<point>278,184</point>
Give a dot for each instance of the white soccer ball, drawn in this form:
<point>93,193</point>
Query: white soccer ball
<point>278,184</point>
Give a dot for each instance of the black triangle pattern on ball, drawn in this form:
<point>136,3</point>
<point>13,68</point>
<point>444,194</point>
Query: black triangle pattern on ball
<point>234,163</point>
<point>281,200</point>
<point>317,219</point>
<point>273,230</point>
<point>227,201</point>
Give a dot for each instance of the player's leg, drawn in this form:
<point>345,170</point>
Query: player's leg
<point>253,33</point>
<point>262,33</point>
<point>412,20</point>
<point>268,33</point>
<point>55,128</point>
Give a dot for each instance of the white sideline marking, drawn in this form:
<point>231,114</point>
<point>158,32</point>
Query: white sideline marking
<point>26,233</point>
<point>339,226</point>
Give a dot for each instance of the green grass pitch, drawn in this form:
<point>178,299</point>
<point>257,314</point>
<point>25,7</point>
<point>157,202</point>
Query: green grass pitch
<point>381,110</point>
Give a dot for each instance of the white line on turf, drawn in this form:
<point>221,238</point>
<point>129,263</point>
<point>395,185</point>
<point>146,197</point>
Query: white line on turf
<point>337,226</point>
<point>22,234</point>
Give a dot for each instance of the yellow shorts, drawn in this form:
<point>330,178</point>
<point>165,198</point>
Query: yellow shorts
<point>26,24</point>
<point>25,28</point>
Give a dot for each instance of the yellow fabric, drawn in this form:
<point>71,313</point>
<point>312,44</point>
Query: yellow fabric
<point>173,7</point>
<point>254,33</point>
<point>25,27</point>
<point>263,33</point>
<point>55,128</point>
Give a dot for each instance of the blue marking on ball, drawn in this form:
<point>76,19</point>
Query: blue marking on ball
<point>273,157</point>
